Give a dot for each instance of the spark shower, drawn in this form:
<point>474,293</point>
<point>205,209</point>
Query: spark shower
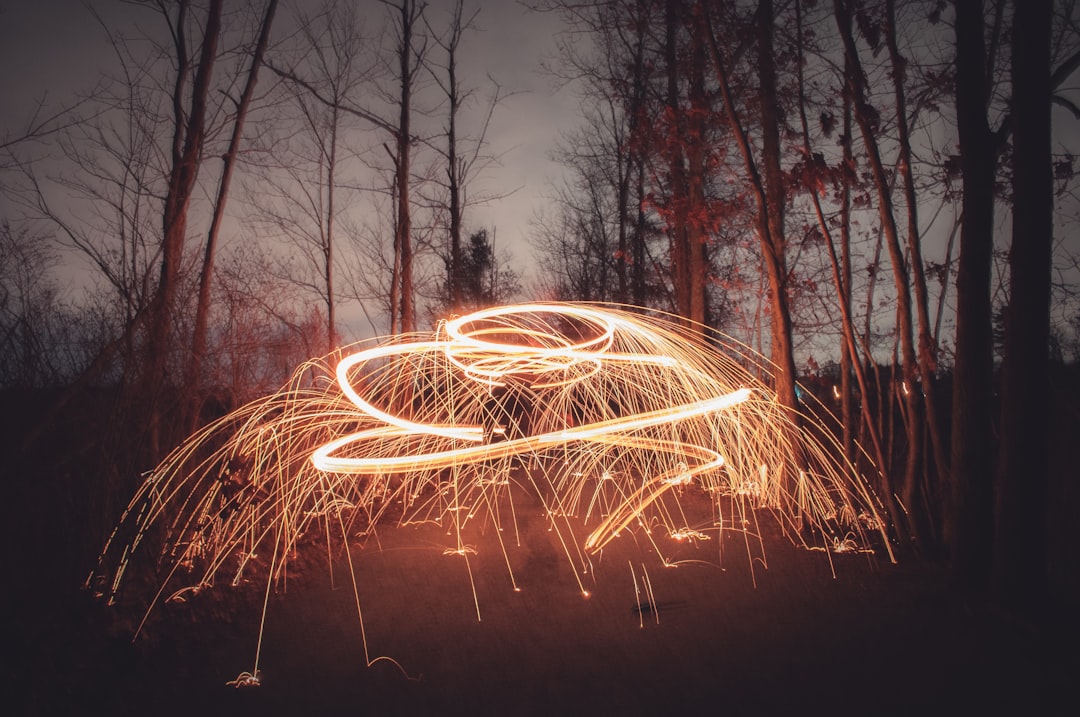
<point>609,417</point>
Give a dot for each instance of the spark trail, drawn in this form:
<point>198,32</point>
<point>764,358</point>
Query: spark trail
<point>605,415</point>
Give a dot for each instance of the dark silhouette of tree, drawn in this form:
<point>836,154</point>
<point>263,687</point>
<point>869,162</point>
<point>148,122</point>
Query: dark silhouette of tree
<point>1020,539</point>
<point>189,139</point>
<point>912,489</point>
<point>818,175</point>
<point>464,156</point>
<point>407,60</point>
<point>304,188</point>
<point>970,518</point>
<point>482,280</point>
<point>454,166</point>
<point>410,60</point>
<point>30,311</point>
<point>926,349</point>
<point>767,189</point>
<point>202,306</point>
<point>685,153</point>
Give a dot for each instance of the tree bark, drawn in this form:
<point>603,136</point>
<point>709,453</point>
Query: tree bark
<point>775,195</point>
<point>770,219</point>
<point>1019,571</point>
<point>969,523</point>
<point>911,487</point>
<point>202,308</point>
<point>678,183</point>
<point>328,232</point>
<point>926,355</point>
<point>188,139</point>
<point>696,235</point>
<point>403,226</point>
<point>452,169</point>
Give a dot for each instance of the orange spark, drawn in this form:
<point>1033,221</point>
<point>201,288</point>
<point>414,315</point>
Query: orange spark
<point>606,416</point>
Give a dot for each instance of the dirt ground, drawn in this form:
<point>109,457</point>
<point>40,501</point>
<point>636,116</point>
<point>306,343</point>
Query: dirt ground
<point>724,635</point>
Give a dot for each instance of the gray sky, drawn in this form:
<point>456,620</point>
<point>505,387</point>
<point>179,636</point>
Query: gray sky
<point>51,48</point>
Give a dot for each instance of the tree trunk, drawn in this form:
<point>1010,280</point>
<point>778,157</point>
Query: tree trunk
<point>202,309</point>
<point>776,197</point>
<point>696,235</point>
<point>404,141</point>
<point>911,487</point>
<point>969,523</point>
<point>770,218</point>
<point>453,171</point>
<point>328,234</point>
<point>841,271</point>
<point>677,181</point>
<point>926,355</point>
<point>623,158</point>
<point>638,283</point>
<point>849,355</point>
<point>188,139</point>
<point>1019,570</point>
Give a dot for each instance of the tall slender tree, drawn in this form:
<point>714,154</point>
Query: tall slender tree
<point>767,189</point>
<point>409,54</point>
<point>202,307</point>
<point>1020,539</point>
<point>463,152</point>
<point>912,487</point>
<point>926,349</point>
<point>970,519</point>
<point>189,138</point>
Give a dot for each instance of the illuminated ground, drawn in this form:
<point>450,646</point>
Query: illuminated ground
<point>723,635</point>
<point>620,417</point>
<point>878,639</point>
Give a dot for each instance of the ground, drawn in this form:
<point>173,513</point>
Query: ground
<point>724,634</point>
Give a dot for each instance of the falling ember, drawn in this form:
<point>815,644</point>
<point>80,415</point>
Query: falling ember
<point>608,417</point>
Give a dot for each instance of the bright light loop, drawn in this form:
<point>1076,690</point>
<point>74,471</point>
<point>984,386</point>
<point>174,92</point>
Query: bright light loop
<point>488,361</point>
<point>468,433</point>
<point>620,414</point>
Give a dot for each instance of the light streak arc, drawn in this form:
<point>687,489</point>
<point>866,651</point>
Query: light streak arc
<point>606,415</point>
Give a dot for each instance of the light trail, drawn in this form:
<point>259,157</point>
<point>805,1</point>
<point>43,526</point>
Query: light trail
<point>606,417</point>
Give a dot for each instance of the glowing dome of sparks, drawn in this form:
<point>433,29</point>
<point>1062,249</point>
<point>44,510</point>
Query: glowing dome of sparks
<point>607,416</point>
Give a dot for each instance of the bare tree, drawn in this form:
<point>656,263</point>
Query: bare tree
<point>202,307</point>
<point>767,188</point>
<point>463,156</point>
<point>816,175</point>
<point>407,59</point>
<point>188,143</point>
<point>118,163</point>
<point>912,487</point>
<point>682,228</point>
<point>410,61</point>
<point>455,168</point>
<point>970,519</point>
<point>29,307</point>
<point>308,194</point>
<point>927,350</point>
<point>1020,539</point>
<point>576,241</point>
<point>603,235</point>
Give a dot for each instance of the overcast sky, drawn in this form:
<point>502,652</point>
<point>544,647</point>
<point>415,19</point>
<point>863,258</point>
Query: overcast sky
<point>50,48</point>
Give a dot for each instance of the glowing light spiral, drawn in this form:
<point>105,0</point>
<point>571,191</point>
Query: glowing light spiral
<point>604,414</point>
